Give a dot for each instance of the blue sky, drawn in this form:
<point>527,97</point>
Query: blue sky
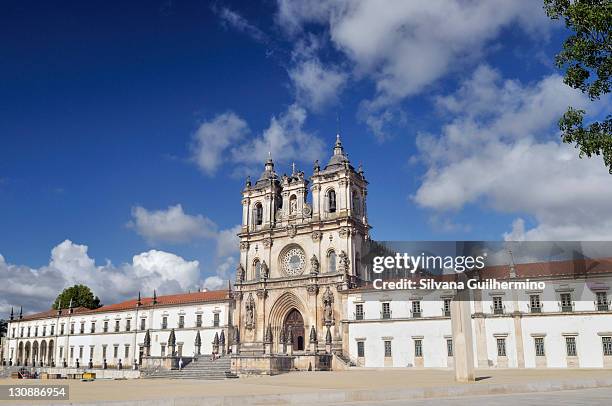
<point>114,113</point>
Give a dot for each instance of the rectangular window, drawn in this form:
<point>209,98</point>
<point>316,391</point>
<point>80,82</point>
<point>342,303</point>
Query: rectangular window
<point>163,350</point>
<point>606,343</point>
<point>570,346</point>
<point>29,328</point>
<point>53,329</point>
<point>180,350</point>
<point>93,327</point>
<point>416,308</point>
<point>71,353</point>
<point>164,322</point>
<point>143,324</point>
<point>127,352</point>
<point>104,352</point>
<point>447,307</point>
<point>117,326</point>
<point>449,347</point>
<point>15,332</point>
<point>418,348</point>
<point>82,330</point>
<point>62,329</point>
<point>566,302</point>
<point>80,353</point>
<point>501,347</point>
<point>539,346</point>
<point>602,301</point>
<point>359,312</point>
<point>23,328</point>
<point>216,319</point>
<point>498,305</point>
<point>387,348</point>
<point>181,323</point>
<point>386,310</point>
<point>360,349</point>
<point>198,320</point>
<point>116,351</point>
<point>44,331</point>
<point>128,325</point>
<point>534,304</point>
<point>61,354</point>
<point>91,352</point>
<point>36,331</point>
<point>71,328</point>
<point>105,328</point>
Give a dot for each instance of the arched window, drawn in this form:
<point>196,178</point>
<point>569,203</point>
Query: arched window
<point>331,201</point>
<point>356,203</point>
<point>293,204</point>
<point>257,267</point>
<point>331,261</point>
<point>258,214</point>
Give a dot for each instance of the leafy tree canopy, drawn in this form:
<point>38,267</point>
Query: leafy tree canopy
<point>587,61</point>
<point>80,295</point>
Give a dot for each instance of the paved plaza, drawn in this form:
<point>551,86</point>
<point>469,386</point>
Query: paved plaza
<point>368,386</point>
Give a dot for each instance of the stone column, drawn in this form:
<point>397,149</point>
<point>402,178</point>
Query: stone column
<point>461,320</point>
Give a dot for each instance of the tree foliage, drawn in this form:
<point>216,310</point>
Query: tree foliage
<point>81,296</point>
<point>587,60</point>
<point>3,327</point>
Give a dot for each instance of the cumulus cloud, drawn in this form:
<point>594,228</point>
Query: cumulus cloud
<point>501,148</point>
<point>285,139</point>
<point>316,85</point>
<point>227,241</point>
<point>224,139</point>
<point>36,288</point>
<point>172,225</point>
<point>213,137</point>
<point>395,46</point>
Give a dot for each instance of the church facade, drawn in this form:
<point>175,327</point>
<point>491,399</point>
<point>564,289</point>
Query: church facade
<point>296,260</point>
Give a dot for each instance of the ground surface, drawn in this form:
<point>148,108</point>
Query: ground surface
<point>587,397</point>
<point>308,382</point>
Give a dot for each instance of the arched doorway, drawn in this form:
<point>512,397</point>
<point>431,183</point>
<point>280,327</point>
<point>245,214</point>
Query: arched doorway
<point>43,353</point>
<point>35,353</point>
<point>27,354</point>
<point>295,322</point>
<point>50,354</point>
<point>20,354</point>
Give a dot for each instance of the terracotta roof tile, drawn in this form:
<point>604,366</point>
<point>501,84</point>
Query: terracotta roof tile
<point>180,298</point>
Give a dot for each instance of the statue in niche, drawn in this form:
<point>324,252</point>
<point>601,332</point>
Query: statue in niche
<point>265,271</point>
<point>293,206</point>
<point>328,312</point>
<point>314,265</point>
<point>250,312</point>
<point>239,273</point>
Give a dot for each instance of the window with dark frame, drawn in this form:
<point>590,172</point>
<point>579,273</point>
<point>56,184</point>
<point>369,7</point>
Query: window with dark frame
<point>198,320</point>
<point>216,319</point>
<point>360,349</point>
<point>387,348</point>
<point>606,343</point>
<point>418,348</point>
<point>386,310</point>
<point>501,347</point>
<point>449,347</point>
<point>539,346</point>
<point>535,306</point>
<point>358,312</point>
<point>570,346</point>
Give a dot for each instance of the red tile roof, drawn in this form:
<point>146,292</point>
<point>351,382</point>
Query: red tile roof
<point>147,302</point>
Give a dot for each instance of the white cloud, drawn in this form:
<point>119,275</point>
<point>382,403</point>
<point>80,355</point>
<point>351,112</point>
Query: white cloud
<point>213,137</point>
<point>501,147</point>
<point>285,139</point>
<point>316,86</point>
<point>172,225</point>
<point>222,275</point>
<point>36,288</point>
<point>395,46</point>
<point>239,23</point>
<point>227,241</point>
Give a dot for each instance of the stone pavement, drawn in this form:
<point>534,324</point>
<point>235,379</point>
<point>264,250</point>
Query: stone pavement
<point>369,385</point>
<point>585,397</point>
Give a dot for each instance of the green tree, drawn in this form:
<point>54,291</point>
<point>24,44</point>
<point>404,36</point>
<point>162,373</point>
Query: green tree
<point>586,58</point>
<point>3,327</point>
<point>80,295</point>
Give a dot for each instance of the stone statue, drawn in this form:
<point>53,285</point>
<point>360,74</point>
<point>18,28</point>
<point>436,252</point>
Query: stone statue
<point>314,265</point>
<point>250,312</point>
<point>265,271</point>
<point>239,273</point>
<point>293,208</point>
<point>328,312</point>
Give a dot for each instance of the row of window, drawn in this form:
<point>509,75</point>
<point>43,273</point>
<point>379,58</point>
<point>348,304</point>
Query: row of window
<point>126,352</point>
<point>535,306</point>
<point>570,347</point>
<point>105,326</point>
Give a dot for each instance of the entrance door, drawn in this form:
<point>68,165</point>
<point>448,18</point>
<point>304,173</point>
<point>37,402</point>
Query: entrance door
<point>295,321</point>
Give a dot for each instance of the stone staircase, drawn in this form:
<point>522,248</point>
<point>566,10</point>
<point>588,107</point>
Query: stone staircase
<point>202,368</point>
